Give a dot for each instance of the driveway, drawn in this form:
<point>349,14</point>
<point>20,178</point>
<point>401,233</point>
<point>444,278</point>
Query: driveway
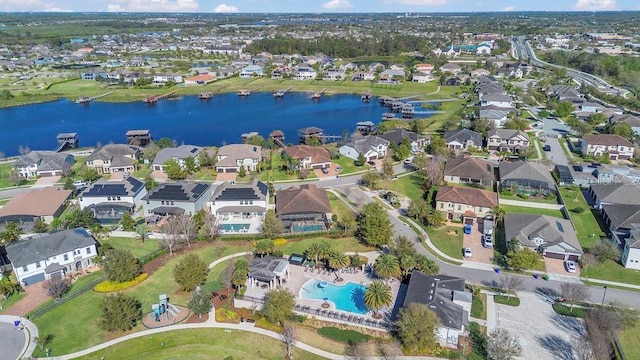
<point>543,334</point>
<point>226,176</point>
<point>474,241</point>
<point>46,181</point>
<point>556,266</point>
<point>553,128</point>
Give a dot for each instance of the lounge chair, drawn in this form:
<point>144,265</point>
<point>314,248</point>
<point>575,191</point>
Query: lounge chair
<point>343,317</point>
<point>318,311</point>
<point>324,312</point>
<point>350,318</point>
<point>296,307</point>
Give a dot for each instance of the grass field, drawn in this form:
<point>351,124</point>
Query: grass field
<point>512,209</point>
<point>630,341</point>
<point>137,248</point>
<point>448,239</point>
<point>588,222</point>
<point>5,169</point>
<point>410,186</point>
<point>275,174</point>
<point>337,205</point>
<point>612,271</point>
<point>200,344</point>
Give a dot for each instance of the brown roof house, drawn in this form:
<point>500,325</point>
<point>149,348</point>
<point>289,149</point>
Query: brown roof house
<point>466,170</point>
<point>114,158</point>
<point>554,237</point>
<point>26,208</point>
<point>311,157</point>
<point>616,146</point>
<point>232,157</point>
<point>466,204</point>
<point>304,208</point>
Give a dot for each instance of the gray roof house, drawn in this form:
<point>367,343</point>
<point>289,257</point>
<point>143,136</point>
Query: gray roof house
<point>514,141</point>
<point>268,269</point>
<point>417,142</point>
<point>496,100</point>
<point>371,147</point>
<point>461,139</point>
<point>109,200</point>
<point>630,248</point>
<point>43,163</point>
<point>113,158</point>
<point>554,237</point>
<point>232,157</point>
<point>624,194</point>
<point>526,177</point>
<point>447,297</point>
<point>240,204</point>
<point>176,198</point>
<point>44,255</point>
<point>498,115</point>
<point>179,154</point>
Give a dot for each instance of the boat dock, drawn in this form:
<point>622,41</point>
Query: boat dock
<point>88,99</point>
<point>278,137</point>
<point>281,93</point>
<point>205,96</point>
<point>365,127</point>
<point>152,99</point>
<point>139,137</point>
<point>317,95</point>
<point>66,141</point>
<point>306,136</point>
<point>366,97</point>
<point>244,92</point>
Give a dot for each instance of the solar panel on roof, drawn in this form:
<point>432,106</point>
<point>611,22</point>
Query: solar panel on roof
<point>194,150</point>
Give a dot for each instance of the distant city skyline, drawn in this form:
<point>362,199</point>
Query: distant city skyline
<point>314,6</point>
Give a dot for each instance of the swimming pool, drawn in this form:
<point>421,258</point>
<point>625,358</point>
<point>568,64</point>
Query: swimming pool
<point>347,297</point>
<point>234,227</point>
<point>305,228</point>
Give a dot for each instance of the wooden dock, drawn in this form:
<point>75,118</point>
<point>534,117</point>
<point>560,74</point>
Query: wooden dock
<point>88,99</point>
<point>366,97</point>
<point>318,95</point>
<point>152,99</point>
<point>205,96</point>
<point>281,93</point>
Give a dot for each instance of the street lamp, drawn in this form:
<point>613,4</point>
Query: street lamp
<point>605,294</point>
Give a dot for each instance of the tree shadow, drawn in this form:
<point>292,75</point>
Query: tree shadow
<point>547,294</point>
<point>569,325</point>
<point>493,285</point>
<point>559,347</point>
<point>357,297</point>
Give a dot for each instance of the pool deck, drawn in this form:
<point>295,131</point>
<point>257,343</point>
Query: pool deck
<point>254,222</point>
<point>298,277</point>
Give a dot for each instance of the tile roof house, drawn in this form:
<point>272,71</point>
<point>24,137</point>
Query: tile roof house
<point>44,255</point>
<point>109,200</point>
<point>43,163</point>
<point>371,147</point>
<point>177,198</point>
<point>556,238</point>
<point>179,154</point>
<point>514,141</point>
<point>462,139</point>
<point>468,170</point>
<point>240,203</point>
<point>200,79</point>
<point>447,297</point>
<point>417,142</point>
<point>114,158</point>
<point>311,157</point>
<point>526,177</point>
<point>616,146</point>
<point>303,208</point>
<point>26,208</point>
<point>623,194</point>
<point>232,157</point>
<point>466,204</point>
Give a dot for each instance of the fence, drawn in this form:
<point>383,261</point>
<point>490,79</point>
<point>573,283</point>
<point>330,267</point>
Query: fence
<point>152,256</point>
<point>616,344</point>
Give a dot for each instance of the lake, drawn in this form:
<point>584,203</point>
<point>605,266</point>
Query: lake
<point>189,120</point>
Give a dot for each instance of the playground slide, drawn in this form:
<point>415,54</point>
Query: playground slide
<point>172,310</point>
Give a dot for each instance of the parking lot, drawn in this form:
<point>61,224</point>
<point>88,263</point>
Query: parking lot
<point>543,334</point>
<point>474,242</point>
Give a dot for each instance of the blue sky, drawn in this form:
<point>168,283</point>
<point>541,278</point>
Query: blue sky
<point>316,6</point>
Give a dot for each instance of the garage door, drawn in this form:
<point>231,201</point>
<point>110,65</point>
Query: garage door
<point>468,221</point>
<point>552,255</point>
<point>573,258</point>
<point>34,279</point>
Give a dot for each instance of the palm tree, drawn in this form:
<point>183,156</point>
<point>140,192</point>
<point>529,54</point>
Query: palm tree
<point>387,266</point>
<point>498,214</point>
<point>426,265</point>
<point>142,230</point>
<point>315,251</point>
<point>377,296</point>
<point>436,218</point>
<point>339,260</point>
<point>407,264</point>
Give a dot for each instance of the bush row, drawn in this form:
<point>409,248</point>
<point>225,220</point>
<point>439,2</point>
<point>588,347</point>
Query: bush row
<point>112,286</point>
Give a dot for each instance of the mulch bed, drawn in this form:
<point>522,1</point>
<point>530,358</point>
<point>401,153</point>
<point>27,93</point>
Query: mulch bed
<point>222,297</point>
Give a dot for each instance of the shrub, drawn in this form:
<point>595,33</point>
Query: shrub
<point>605,250</point>
<point>120,265</point>
<point>578,210</point>
<point>345,336</point>
<point>563,309</point>
<point>280,242</point>
<point>506,300</point>
<point>108,286</point>
<point>227,316</point>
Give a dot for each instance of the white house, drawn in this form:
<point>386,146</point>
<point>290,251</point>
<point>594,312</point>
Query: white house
<point>161,79</point>
<point>109,200</point>
<point>371,147</point>
<point>179,154</point>
<point>631,252</point>
<point>483,49</point>
<point>43,163</point>
<point>421,77</point>
<point>177,199</point>
<point>251,71</point>
<point>232,157</point>
<point>616,146</point>
<point>240,207</point>
<point>334,74</point>
<point>38,258</point>
<point>114,158</point>
<point>496,99</point>
<point>304,72</point>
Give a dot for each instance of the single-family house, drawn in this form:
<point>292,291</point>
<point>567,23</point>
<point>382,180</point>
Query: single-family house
<point>350,66</point>
<point>469,170</point>
<point>303,208</point>
<point>476,73</point>
<point>525,177</point>
<point>424,68</point>
<point>109,200</point>
<point>310,157</point>
<point>363,76</point>
<point>554,237</point>
<point>43,164</point>
<point>304,72</point>
<point>26,208</point>
<point>113,158</point>
<point>421,77</point>
<point>584,174</point>
<point>334,74</point>
<point>93,74</point>
<point>451,68</point>
<point>590,107</point>
<point>513,141</point>
<point>628,119</point>
<point>393,73</point>
<point>496,114</point>
<point>498,100</point>
<point>56,254</point>
<point>621,194</point>
<point>616,146</point>
<point>462,139</point>
<point>240,207</point>
<point>203,79</point>
<point>629,240</point>
<point>162,79</point>
<point>179,154</point>
<point>232,157</point>
<point>465,204</point>
<point>376,66</point>
<point>416,141</point>
<point>177,199</point>
<point>251,71</point>
<point>447,297</point>
<point>225,72</point>
<point>371,147</point>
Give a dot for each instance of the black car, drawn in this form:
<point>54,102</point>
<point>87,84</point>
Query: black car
<point>547,148</point>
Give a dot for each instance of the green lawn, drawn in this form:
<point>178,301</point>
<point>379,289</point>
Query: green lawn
<point>348,244</point>
<point>200,344</point>
<point>448,239</point>
<point>512,209</point>
<point>478,307</point>
<point>134,245</point>
<point>276,175</point>
<point>410,186</point>
<point>4,201</point>
<point>6,304</point>
<point>553,200</point>
<point>506,300</point>
<point>5,169</point>
<point>347,165</point>
<point>630,341</point>
<point>142,172</point>
<point>337,205</point>
<point>588,223</point>
<point>612,271</point>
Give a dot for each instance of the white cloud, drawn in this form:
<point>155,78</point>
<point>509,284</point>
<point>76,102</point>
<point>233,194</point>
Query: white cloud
<point>595,5</point>
<point>337,4</point>
<point>29,5</point>
<point>160,5</point>
<point>224,8</point>
<point>509,8</point>
<point>419,2</point>
<point>115,8</point>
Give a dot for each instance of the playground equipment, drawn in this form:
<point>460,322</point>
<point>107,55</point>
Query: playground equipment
<point>163,307</point>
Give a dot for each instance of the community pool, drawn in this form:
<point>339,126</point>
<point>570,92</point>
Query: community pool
<point>347,297</point>
<point>234,227</point>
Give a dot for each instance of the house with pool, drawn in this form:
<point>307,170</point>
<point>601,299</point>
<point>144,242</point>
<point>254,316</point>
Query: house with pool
<point>240,208</point>
<point>303,208</point>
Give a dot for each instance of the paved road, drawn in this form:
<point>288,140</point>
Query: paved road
<point>11,341</point>
<point>556,154</point>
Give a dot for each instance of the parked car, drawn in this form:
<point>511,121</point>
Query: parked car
<point>325,170</point>
<point>547,147</point>
<point>466,252</point>
<point>338,168</point>
<point>487,241</point>
<point>408,161</point>
<point>79,184</point>
<point>467,229</point>
<point>372,163</point>
<point>570,266</point>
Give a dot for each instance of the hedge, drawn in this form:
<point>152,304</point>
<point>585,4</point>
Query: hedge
<point>345,336</point>
<point>506,300</point>
<point>563,309</point>
<point>112,286</point>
